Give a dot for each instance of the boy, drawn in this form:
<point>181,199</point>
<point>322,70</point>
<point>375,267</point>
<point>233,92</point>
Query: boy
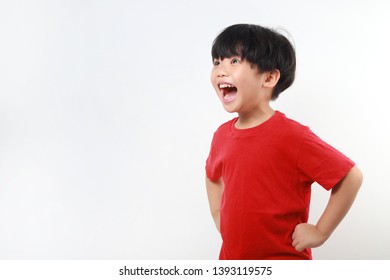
<point>261,164</point>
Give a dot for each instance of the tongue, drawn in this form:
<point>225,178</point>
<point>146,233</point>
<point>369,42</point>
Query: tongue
<point>229,96</point>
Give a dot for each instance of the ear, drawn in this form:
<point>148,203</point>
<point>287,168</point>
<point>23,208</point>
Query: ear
<point>272,78</point>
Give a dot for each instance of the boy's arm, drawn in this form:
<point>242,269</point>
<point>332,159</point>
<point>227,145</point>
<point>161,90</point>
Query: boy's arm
<point>214,193</point>
<point>341,199</point>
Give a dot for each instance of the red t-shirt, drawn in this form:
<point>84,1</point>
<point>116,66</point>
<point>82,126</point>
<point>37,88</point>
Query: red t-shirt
<point>267,172</point>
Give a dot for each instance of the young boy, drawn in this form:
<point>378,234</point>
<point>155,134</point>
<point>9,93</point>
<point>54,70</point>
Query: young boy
<point>261,164</point>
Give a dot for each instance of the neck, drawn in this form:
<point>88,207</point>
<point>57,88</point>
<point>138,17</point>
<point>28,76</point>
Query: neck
<point>255,118</point>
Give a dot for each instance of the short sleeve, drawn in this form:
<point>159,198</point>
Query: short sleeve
<point>213,164</point>
<point>321,163</point>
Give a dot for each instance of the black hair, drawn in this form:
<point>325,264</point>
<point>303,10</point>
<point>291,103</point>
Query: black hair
<point>262,47</point>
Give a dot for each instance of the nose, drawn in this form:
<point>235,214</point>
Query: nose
<point>222,72</point>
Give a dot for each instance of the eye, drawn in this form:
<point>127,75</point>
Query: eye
<point>216,62</point>
<point>235,61</point>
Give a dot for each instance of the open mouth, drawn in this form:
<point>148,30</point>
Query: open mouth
<point>228,91</point>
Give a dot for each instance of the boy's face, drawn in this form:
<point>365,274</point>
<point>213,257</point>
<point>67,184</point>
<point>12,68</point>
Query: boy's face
<point>238,85</point>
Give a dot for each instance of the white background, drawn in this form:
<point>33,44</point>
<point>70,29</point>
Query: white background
<point>107,113</point>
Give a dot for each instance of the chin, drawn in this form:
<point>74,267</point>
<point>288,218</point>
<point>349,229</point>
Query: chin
<point>230,110</point>
<point>231,107</point>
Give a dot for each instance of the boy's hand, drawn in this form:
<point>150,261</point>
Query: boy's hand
<point>341,199</point>
<point>307,236</point>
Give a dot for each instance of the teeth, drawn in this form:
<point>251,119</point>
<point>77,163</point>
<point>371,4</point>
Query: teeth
<point>226,86</point>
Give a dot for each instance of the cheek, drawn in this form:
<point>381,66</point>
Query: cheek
<point>252,84</point>
<point>213,79</point>
<point>247,85</point>
<point>213,74</point>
